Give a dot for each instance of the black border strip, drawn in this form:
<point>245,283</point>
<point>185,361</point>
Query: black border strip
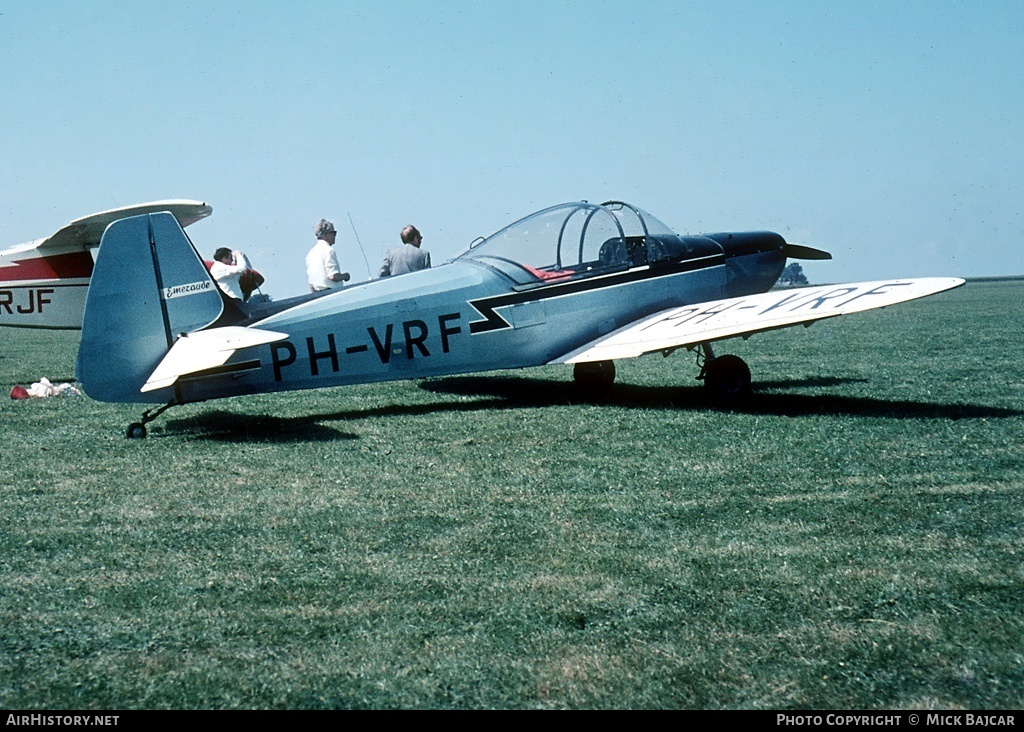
<point>492,321</point>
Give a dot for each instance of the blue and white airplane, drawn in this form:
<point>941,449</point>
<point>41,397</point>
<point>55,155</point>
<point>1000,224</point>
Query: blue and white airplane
<point>578,283</point>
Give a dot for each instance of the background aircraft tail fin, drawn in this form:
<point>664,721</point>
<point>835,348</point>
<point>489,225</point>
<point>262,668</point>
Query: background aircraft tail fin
<point>148,286</point>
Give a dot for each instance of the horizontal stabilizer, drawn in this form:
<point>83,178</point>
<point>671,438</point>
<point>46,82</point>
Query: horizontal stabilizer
<point>195,353</point>
<point>740,316</point>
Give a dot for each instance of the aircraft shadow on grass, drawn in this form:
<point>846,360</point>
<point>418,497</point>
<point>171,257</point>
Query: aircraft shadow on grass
<point>225,426</point>
<point>228,426</point>
<point>527,392</point>
<point>510,392</point>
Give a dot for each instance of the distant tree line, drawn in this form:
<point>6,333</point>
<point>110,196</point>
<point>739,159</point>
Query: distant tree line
<point>793,275</point>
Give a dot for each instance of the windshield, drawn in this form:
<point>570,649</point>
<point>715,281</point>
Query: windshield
<point>571,240</point>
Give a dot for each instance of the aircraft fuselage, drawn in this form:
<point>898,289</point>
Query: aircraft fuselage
<point>465,317</point>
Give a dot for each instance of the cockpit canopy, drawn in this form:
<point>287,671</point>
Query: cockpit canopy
<point>583,239</point>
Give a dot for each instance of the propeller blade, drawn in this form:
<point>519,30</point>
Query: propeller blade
<point>799,251</point>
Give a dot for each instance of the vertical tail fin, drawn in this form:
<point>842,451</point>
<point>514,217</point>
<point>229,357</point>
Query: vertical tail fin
<point>148,286</point>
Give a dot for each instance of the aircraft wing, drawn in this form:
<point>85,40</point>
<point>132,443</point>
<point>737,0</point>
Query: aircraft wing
<point>205,352</point>
<point>88,230</point>
<point>741,316</point>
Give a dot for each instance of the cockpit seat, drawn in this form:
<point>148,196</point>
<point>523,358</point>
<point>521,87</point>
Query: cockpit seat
<point>613,252</point>
<point>623,250</point>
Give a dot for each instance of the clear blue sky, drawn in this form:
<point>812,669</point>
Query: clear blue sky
<point>891,134</point>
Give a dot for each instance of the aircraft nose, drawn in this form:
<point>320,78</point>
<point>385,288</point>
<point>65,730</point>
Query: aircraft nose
<point>760,242</point>
<point>749,242</point>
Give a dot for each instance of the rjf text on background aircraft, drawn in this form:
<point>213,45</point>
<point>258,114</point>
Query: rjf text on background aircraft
<point>576,283</point>
<point>43,282</point>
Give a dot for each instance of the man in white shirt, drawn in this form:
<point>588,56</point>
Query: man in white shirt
<point>322,268</point>
<point>228,267</point>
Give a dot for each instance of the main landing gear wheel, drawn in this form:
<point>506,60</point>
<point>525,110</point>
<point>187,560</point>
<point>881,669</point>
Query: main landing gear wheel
<point>595,374</point>
<point>727,376</point>
<point>136,431</point>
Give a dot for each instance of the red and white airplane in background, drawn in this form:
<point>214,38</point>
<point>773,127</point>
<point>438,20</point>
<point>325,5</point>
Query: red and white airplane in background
<point>43,282</point>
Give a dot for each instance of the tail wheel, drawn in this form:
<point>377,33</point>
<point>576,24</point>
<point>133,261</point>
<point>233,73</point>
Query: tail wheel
<point>727,376</point>
<point>594,375</point>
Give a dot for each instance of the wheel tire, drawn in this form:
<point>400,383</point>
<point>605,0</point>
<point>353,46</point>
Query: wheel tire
<point>595,374</point>
<point>136,431</point>
<point>728,377</point>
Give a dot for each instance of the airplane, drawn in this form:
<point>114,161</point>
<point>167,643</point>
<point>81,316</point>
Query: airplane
<point>577,283</point>
<point>43,282</point>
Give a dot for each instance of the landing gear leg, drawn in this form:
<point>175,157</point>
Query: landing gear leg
<point>137,430</point>
<point>705,355</point>
<point>725,376</point>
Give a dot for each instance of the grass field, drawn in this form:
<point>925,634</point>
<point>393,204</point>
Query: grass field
<point>851,538</point>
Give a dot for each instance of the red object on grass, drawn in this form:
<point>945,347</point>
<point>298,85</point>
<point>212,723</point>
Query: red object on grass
<point>19,392</point>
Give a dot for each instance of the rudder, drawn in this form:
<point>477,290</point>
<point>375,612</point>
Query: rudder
<point>149,285</point>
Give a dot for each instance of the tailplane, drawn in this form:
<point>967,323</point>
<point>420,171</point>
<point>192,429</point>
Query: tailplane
<point>149,285</point>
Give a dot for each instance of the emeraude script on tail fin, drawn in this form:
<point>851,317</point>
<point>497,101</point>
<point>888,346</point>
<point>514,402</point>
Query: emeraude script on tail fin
<point>148,286</point>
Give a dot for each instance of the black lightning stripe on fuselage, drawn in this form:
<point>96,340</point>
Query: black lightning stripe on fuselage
<point>493,321</point>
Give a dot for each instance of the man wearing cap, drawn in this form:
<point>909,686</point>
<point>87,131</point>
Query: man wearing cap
<point>408,257</point>
<point>322,268</point>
